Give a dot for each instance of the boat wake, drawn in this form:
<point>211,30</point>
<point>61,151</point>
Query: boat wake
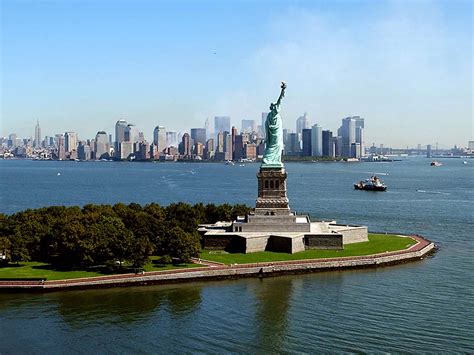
<point>433,192</point>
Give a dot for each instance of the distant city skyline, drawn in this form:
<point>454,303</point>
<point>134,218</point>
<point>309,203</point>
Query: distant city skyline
<point>404,66</point>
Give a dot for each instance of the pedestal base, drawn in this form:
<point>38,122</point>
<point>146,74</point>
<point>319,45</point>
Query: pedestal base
<point>272,197</point>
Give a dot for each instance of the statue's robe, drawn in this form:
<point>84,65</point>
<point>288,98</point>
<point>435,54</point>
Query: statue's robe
<point>274,138</point>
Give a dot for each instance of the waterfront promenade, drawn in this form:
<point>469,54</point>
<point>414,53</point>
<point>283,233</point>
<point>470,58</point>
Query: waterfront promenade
<point>216,271</point>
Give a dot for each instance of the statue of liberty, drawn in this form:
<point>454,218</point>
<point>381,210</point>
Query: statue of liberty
<point>274,134</point>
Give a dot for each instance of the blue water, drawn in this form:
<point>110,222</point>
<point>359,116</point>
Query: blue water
<point>424,306</point>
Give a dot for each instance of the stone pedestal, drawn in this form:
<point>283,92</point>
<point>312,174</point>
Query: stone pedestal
<point>272,197</point>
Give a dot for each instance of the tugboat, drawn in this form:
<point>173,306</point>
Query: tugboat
<point>372,184</point>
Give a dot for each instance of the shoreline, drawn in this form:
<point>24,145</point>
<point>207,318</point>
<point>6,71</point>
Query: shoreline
<point>214,271</point>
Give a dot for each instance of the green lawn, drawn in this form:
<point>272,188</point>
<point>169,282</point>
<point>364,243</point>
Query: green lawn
<point>42,270</point>
<point>378,243</point>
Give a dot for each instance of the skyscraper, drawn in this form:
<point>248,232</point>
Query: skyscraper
<point>239,147</point>
<point>186,145</point>
<point>61,147</point>
<point>292,146</point>
<point>70,139</point>
<point>220,143</point>
<point>120,128</point>
<point>328,144</point>
<point>360,126</point>
<point>348,134</point>
<point>198,135</point>
<point>101,145</point>
<point>159,138</point>
<point>248,126</point>
<point>131,133</point>
<point>207,126</point>
<point>302,123</point>
<point>360,139</point>
<point>172,138</point>
<point>83,151</point>
<point>37,143</point>
<point>228,146</point>
<point>306,134</point>
<point>316,141</point>
<point>221,124</point>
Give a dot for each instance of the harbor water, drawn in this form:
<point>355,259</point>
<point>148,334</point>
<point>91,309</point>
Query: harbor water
<point>424,306</point>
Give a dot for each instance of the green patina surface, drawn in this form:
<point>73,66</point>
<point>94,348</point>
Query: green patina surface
<point>42,270</point>
<point>378,243</point>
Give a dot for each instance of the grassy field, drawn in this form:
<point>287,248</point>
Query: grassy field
<point>41,270</point>
<point>378,243</point>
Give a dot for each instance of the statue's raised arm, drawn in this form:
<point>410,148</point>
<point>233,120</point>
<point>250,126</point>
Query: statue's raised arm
<point>282,93</point>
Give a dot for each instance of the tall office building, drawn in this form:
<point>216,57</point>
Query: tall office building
<point>101,145</point>
<point>172,138</point>
<point>234,134</point>
<point>83,151</point>
<point>207,126</point>
<point>198,135</point>
<point>306,138</point>
<point>221,124</point>
<point>228,146</point>
<point>360,140</point>
<point>248,126</point>
<point>127,149</point>
<point>70,139</point>
<point>316,141</point>
<point>120,128</point>
<point>302,123</point>
<point>37,143</point>
<point>239,147</point>
<point>360,127</point>
<point>328,144</point>
<point>292,146</point>
<point>286,133</point>
<point>61,147</point>
<point>160,138</point>
<point>359,121</point>
<point>187,145</point>
<point>220,143</point>
<point>12,140</point>
<point>209,149</point>
<point>348,134</point>
<point>131,133</point>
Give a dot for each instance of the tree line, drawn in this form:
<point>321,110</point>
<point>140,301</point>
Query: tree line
<point>75,237</point>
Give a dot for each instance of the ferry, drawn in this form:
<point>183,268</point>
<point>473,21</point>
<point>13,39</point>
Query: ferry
<point>372,184</point>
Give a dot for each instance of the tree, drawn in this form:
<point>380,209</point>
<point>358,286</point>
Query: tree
<point>183,245</point>
<point>140,251</point>
<point>182,215</point>
<point>4,250</point>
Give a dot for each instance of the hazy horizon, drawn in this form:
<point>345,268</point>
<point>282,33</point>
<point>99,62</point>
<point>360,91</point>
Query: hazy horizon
<point>405,66</point>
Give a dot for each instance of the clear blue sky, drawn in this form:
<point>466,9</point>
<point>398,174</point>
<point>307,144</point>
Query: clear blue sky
<point>406,66</point>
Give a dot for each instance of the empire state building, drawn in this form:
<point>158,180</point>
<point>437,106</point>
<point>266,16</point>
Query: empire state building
<point>37,143</point>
